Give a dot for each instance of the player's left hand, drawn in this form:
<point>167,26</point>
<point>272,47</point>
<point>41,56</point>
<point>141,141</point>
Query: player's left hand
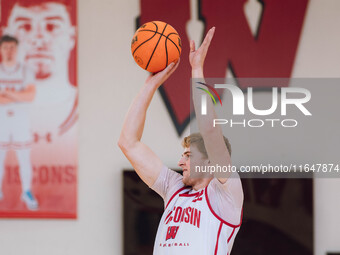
<point>197,57</point>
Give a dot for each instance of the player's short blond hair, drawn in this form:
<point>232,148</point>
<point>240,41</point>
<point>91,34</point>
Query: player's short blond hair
<point>197,139</point>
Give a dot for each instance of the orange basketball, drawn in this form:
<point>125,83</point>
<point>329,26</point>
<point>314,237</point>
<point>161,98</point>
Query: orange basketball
<point>155,45</point>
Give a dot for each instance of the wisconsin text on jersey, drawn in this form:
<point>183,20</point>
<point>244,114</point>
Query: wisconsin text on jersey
<point>190,225</point>
<point>188,215</point>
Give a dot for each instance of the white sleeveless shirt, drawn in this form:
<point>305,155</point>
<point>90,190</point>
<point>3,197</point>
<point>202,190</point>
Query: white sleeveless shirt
<point>190,225</point>
<point>16,78</point>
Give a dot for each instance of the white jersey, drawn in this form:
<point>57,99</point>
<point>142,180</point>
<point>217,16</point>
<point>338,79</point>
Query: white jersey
<point>16,77</point>
<point>190,226</point>
<point>14,117</point>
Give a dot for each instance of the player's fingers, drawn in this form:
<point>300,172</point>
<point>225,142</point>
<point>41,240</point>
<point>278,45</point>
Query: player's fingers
<point>168,69</point>
<point>174,67</point>
<point>165,71</point>
<point>206,43</point>
<point>160,77</point>
<point>208,38</point>
<point>192,45</point>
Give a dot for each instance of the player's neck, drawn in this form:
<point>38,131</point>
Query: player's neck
<point>9,64</point>
<point>201,184</point>
<point>59,78</point>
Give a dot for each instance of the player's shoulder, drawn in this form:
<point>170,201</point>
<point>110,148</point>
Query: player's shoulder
<point>225,200</point>
<point>173,175</point>
<point>231,190</point>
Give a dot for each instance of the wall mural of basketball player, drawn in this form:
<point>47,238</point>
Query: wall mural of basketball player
<point>17,92</point>
<point>47,35</point>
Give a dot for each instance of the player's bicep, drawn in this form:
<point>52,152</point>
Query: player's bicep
<point>167,183</point>
<point>145,162</point>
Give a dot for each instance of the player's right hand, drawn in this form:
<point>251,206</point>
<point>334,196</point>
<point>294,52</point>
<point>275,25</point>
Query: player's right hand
<point>197,56</point>
<point>159,78</point>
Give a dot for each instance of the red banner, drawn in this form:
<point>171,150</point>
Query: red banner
<point>38,137</point>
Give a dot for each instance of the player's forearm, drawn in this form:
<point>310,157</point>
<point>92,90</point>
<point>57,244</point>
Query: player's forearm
<point>205,122</point>
<point>212,136</point>
<point>21,96</point>
<point>133,126</point>
<point>5,100</point>
<point>197,73</point>
<point>26,95</point>
<point>134,122</point>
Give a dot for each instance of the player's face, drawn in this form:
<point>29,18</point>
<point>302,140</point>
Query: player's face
<point>191,157</point>
<point>46,36</point>
<point>8,51</point>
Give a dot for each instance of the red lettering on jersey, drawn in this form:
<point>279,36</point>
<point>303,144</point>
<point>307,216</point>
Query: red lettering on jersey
<point>168,218</point>
<point>191,215</point>
<point>197,219</point>
<point>173,244</point>
<point>198,197</point>
<point>171,233</point>
<point>178,214</point>
<point>187,216</point>
<point>183,214</point>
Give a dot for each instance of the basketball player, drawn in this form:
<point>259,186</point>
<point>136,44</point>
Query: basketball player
<point>202,215</point>
<point>47,37</point>
<point>17,92</point>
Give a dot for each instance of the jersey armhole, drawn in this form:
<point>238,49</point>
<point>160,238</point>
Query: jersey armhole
<point>178,191</point>
<point>215,214</point>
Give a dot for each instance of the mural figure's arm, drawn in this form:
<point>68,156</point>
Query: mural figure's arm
<point>25,95</point>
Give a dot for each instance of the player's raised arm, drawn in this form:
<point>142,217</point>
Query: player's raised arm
<point>212,136</point>
<point>143,159</point>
